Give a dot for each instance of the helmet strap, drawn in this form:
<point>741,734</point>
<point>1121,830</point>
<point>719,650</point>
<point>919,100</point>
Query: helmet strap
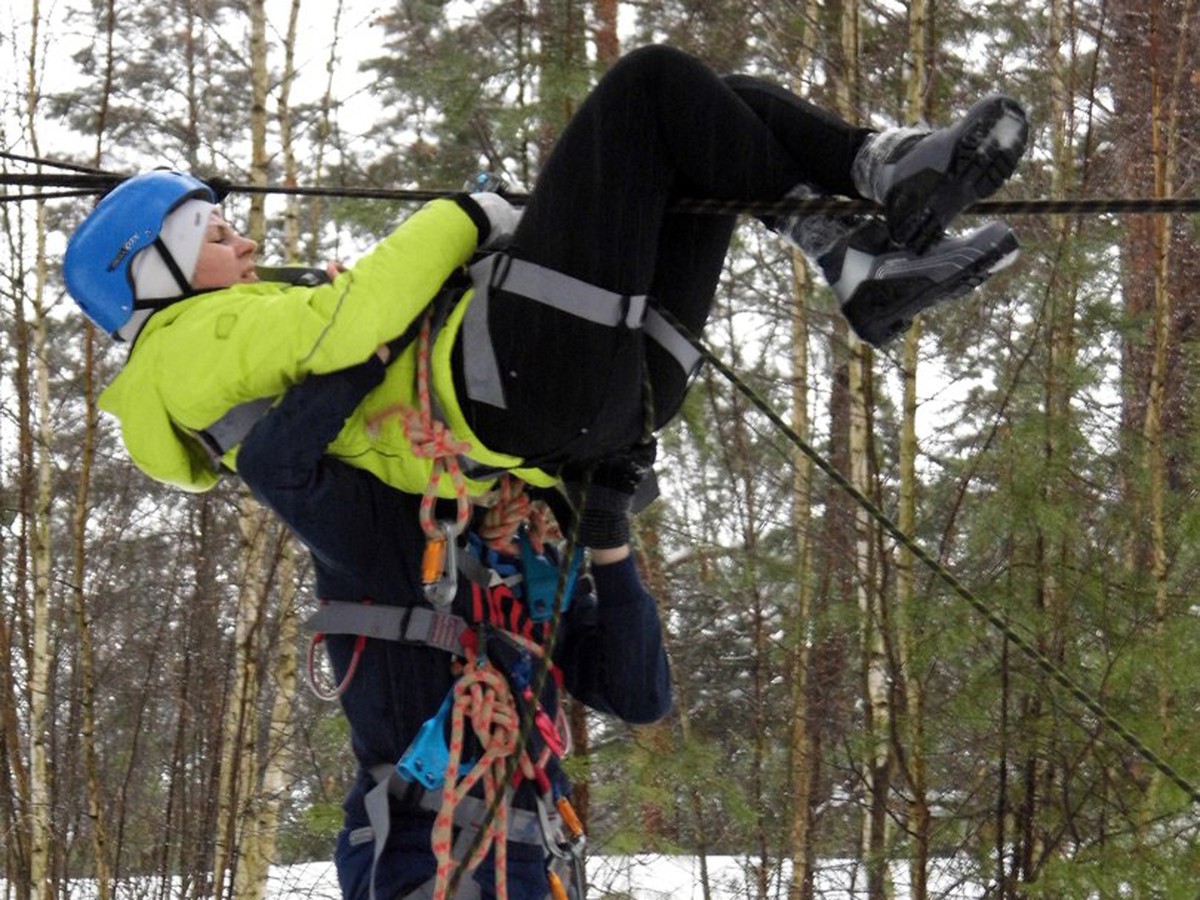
<point>185,289</point>
<point>185,286</point>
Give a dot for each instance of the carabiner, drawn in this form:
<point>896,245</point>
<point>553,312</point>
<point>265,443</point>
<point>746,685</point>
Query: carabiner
<point>439,566</point>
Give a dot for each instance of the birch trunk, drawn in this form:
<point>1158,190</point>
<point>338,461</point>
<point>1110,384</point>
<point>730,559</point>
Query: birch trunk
<point>41,874</point>
<point>803,761</point>
<point>40,721</point>
<point>875,676</point>
<point>247,864</point>
<point>912,687</point>
<point>262,827</point>
<point>260,836</point>
<point>239,756</point>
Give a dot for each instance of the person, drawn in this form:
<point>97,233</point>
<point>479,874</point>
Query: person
<point>557,339</point>
<point>366,546</point>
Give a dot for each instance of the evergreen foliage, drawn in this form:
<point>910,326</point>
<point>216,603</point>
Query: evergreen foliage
<point>1056,464</point>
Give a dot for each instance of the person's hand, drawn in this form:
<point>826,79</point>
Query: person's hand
<point>502,218</point>
<point>333,269</point>
<point>602,494</point>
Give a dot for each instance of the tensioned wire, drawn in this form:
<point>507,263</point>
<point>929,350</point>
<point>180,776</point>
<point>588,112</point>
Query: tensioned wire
<point>80,181</point>
<point>977,603</point>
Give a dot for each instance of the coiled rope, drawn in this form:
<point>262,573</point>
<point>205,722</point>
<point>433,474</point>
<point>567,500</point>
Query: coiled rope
<point>484,699</point>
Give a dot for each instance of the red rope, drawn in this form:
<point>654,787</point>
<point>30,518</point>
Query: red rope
<point>510,508</point>
<point>483,698</point>
<point>430,439</point>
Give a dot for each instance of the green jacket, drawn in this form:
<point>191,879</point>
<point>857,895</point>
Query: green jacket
<point>200,357</point>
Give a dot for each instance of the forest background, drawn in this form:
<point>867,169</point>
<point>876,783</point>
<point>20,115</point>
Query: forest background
<point>835,697</point>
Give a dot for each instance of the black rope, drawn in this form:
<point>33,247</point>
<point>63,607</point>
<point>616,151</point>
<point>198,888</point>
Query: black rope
<point>992,616</point>
<point>100,182</point>
<point>52,163</point>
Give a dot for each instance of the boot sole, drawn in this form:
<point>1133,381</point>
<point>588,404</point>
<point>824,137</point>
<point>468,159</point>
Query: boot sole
<point>883,307</point>
<point>990,142</point>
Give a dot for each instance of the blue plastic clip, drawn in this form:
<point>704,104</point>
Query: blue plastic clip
<point>488,181</point>
<point>427,756</point>
<point>540,578</point>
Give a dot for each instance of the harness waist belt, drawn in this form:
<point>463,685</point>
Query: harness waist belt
<point>410,624</point>
<point>524,825</point>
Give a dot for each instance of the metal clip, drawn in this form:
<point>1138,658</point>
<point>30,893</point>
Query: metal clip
<point>439,566</point>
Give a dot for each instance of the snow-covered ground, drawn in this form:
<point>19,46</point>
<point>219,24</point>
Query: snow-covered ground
<point>655,877</point>
<point>641,877</point>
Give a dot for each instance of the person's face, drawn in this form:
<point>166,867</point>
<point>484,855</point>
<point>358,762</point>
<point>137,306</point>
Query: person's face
<point>226,258</point>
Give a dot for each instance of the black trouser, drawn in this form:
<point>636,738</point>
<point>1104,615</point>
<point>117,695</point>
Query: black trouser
<point>660,125</point>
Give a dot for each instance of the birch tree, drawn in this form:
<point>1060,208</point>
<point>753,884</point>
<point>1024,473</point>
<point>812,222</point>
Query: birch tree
<point>911,758</point>
<point>41,722</point>
<point>80,519</point>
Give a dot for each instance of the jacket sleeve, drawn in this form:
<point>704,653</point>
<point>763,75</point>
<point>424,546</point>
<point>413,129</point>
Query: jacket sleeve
<point>228,349</point>
<point>616,662</point>
<point>333,508</point>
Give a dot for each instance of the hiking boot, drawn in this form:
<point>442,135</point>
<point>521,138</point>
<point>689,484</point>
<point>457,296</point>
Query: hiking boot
<point>925,179</point>
<point>882,286</point>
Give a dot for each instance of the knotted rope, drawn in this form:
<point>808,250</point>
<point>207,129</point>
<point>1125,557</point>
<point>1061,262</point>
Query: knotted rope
<point>511,507</point>
<point>430,439</point>
<point>482,696</point>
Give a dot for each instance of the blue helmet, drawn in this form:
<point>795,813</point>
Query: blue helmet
<point>126,221</point>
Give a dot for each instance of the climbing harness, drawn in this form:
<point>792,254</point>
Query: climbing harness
<point>495,652</point>
<point>561,292</point>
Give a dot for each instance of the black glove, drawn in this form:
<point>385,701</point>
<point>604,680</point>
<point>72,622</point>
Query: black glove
<point>602,493</point>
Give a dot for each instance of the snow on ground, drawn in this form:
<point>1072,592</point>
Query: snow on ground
<point>641,877</point>
<point>656,877</point>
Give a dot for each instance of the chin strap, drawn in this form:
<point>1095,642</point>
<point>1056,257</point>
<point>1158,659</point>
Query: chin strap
<point>185,287</point>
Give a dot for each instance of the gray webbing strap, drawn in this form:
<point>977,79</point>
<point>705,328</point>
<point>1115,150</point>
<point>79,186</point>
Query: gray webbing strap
<point>229,430</point>
<point>558,291</point>
<point>375,802</point>
<point>481,372</point>
<point>410,624</point>
<point>524,826</point>
<point>664,334</point>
